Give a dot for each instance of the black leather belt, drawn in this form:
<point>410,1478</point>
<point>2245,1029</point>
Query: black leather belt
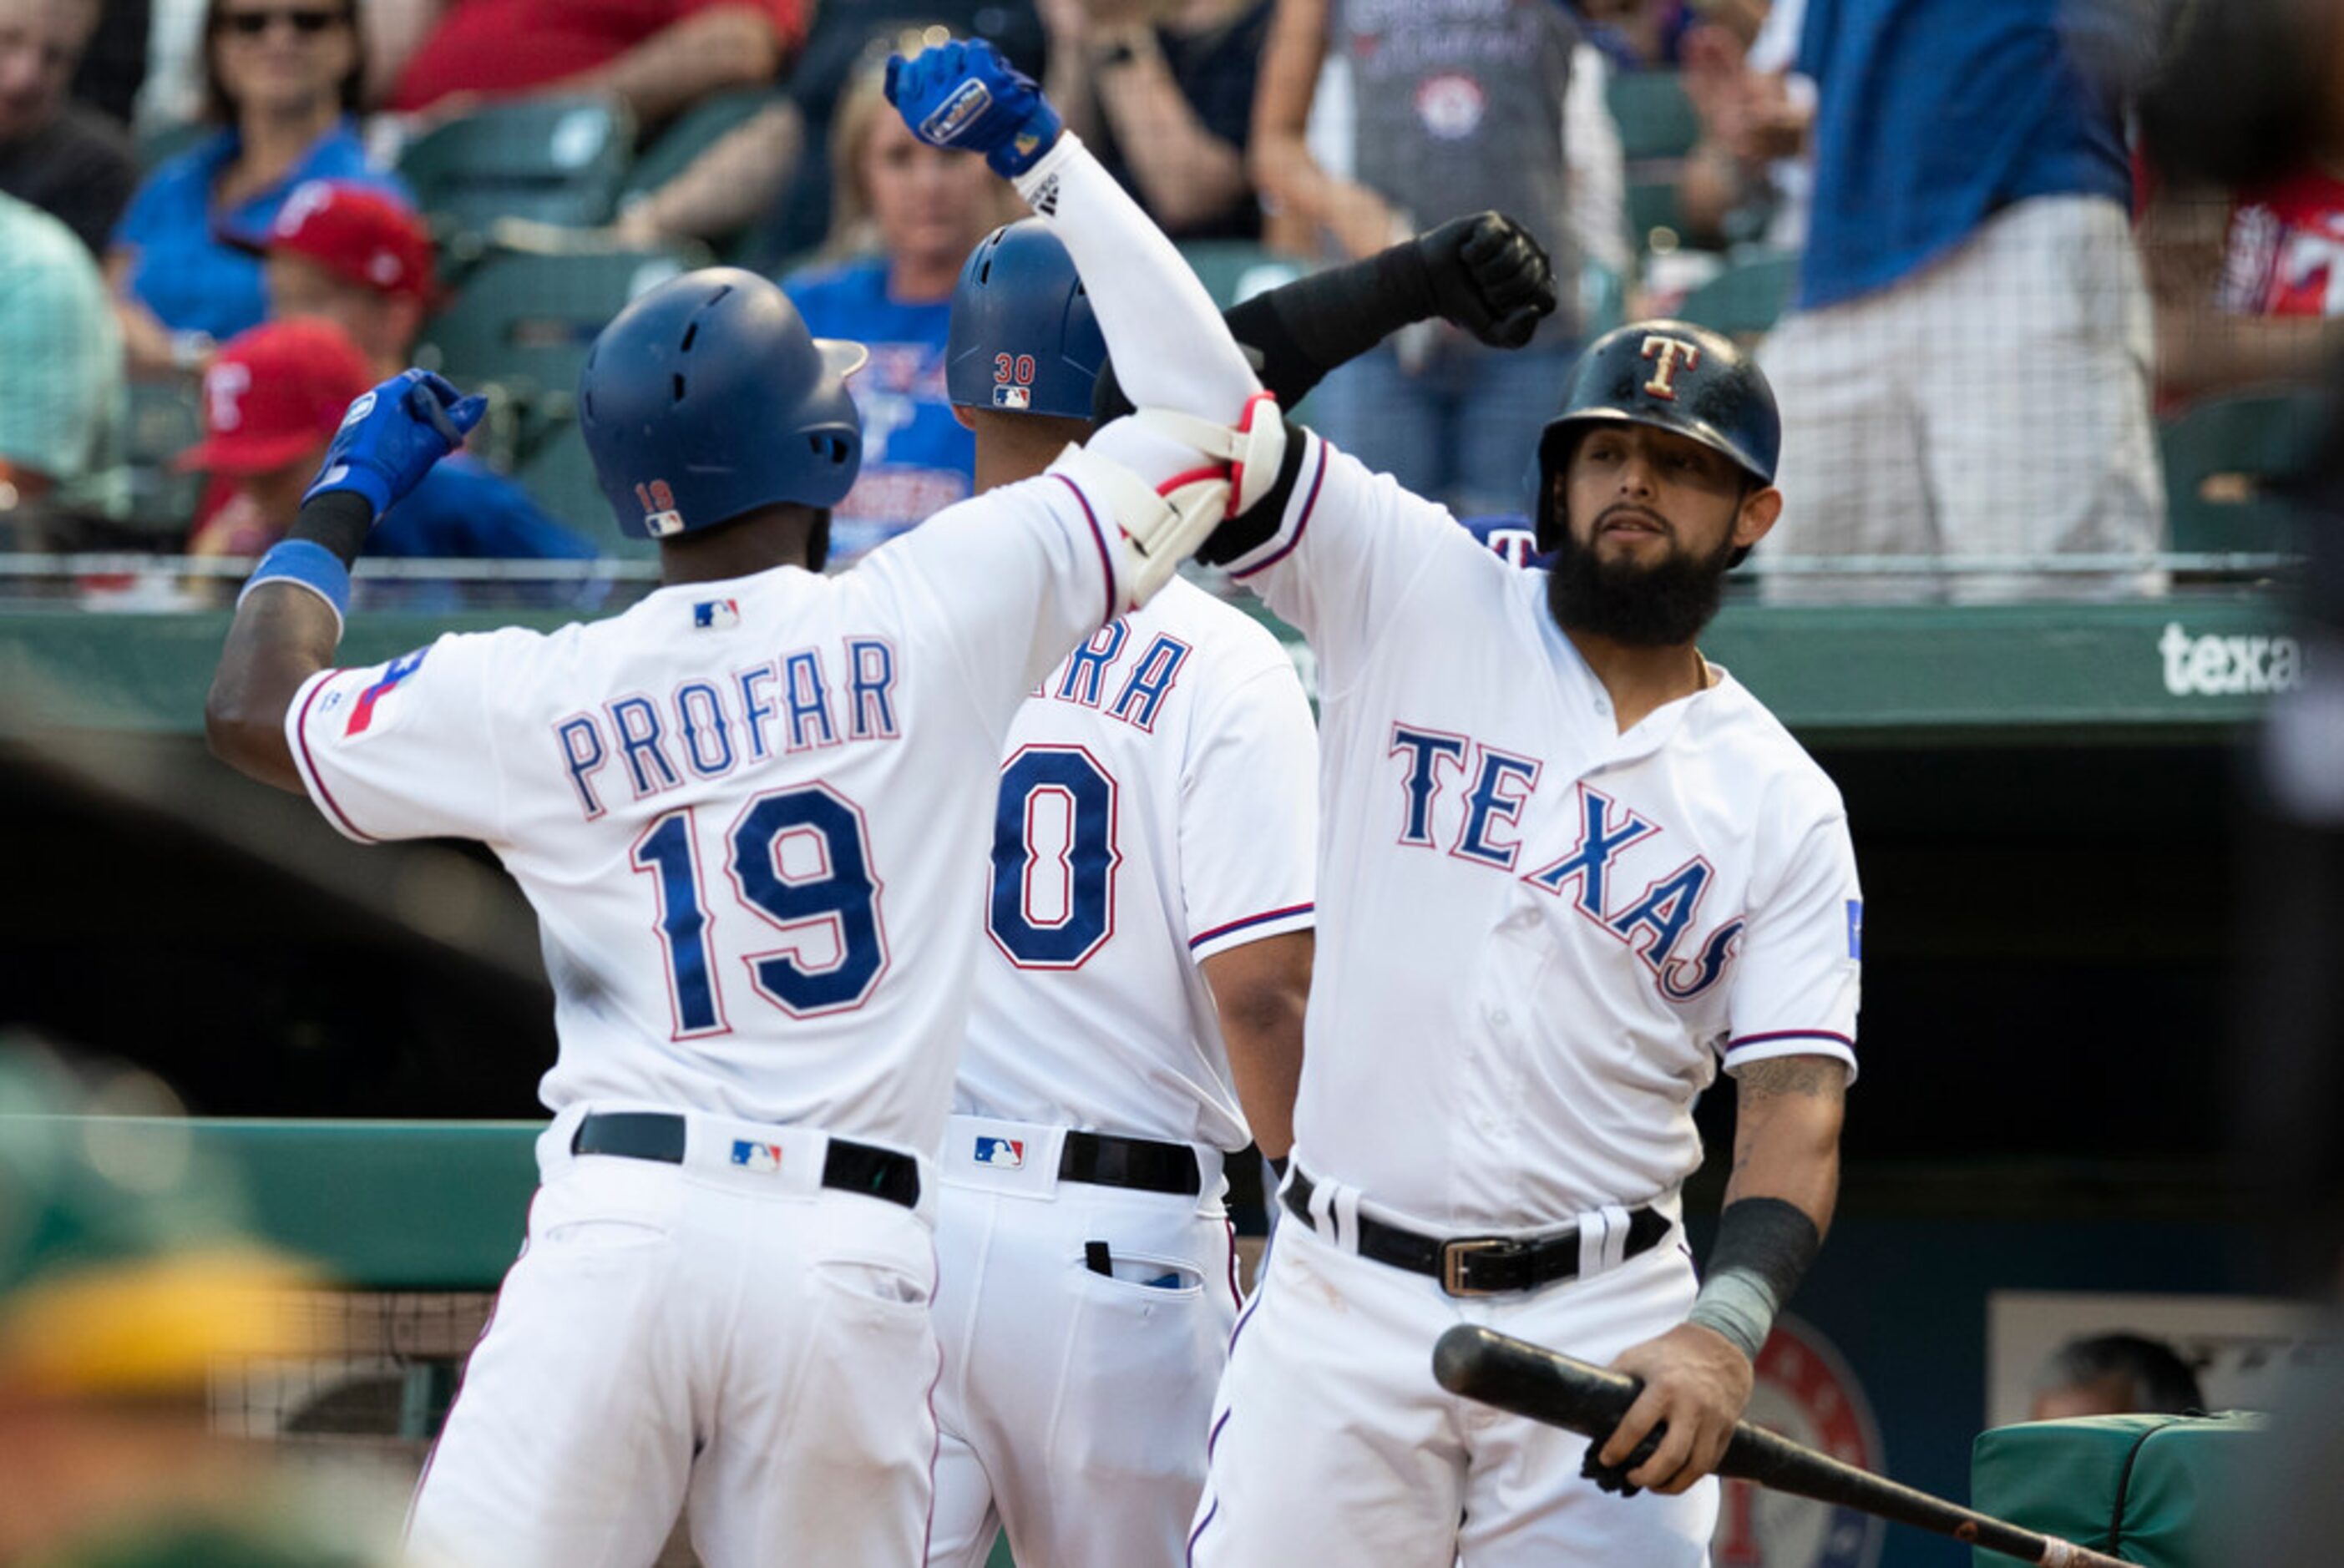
<point>1480,1265</point>
<point>658,1134</point>
<point>1105,1161</point>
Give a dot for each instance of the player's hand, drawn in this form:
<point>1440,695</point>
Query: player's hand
<point>963,95</point>
<point>1489,278</point>
<point>392,435</point>
<point>1697,1383</point>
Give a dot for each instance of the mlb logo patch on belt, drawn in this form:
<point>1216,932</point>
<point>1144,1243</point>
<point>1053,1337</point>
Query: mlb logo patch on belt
<point>1009,1153</point>
<point>763,1158</point>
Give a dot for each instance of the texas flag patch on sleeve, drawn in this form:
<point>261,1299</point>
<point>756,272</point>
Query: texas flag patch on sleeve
<point>362,711</point>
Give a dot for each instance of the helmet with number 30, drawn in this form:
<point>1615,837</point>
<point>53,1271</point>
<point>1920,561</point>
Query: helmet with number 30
<point>1023,337</point>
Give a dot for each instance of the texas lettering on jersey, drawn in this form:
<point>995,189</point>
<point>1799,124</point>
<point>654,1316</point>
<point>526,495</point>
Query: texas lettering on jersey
<point>1653,924</point>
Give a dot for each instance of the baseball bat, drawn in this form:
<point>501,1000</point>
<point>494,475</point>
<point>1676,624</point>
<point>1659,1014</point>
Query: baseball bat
<point>1548,1386</point>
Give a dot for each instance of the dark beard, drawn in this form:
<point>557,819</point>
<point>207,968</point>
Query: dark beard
<point>1658,606</point>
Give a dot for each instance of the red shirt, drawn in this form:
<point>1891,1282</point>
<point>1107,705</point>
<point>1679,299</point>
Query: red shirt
<point>2285,252</point>
<point>493,46</point>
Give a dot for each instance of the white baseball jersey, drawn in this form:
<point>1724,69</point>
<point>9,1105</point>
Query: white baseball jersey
<point>1538,936</point>
<point>1158,804</point>
<point>750,815</point>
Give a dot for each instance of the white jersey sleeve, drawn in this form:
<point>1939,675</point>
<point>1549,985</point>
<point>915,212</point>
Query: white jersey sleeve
<point>408,748</point>
<point>1350,550</point>
<point>1249,814</point>
<point>1798,979</point>
<point>1009,580</point>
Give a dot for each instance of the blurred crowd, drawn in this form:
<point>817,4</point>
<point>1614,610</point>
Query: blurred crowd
<point>1987,305</point>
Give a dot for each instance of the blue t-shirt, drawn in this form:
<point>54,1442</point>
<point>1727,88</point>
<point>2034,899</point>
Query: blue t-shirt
<point>463,511</point>
<point>190,277</point>
<point>1933,114</point>
<point>916,458</point>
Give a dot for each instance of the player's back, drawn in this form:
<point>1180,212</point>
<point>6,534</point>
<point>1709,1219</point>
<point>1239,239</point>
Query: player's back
<point>751,814</point>
<point>1156,806</point>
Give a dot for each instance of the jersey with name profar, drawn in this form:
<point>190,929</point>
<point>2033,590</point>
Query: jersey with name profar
<point>1158,804</point>
<point>1538,936</point>
<point>751,814</point>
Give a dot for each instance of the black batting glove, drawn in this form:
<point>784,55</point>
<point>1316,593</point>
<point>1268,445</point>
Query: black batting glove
<point>1614,1477</point>
<point>1489,278</point>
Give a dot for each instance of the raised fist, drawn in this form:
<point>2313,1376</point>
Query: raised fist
<point>393,434</point>
<point>965,96</point>
<point>1489,278</point>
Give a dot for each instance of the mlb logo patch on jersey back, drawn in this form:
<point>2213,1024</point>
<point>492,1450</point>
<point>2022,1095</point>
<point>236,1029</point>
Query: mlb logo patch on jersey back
<point>1009,1153</point>
<point>716,614</point>
<point>765,1158</point>
<point>1855,929</point>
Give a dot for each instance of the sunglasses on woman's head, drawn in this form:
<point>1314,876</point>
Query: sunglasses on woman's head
<point>302,20</point>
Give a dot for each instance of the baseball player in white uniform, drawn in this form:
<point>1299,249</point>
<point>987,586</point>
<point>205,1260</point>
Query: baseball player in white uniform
<point>1140,1007</point>
<point>1570,870</point>
<point>750,814</point>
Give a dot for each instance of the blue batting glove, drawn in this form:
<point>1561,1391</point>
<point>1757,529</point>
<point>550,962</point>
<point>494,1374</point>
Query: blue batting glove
<point>965,96</point>
<point>393,434</point>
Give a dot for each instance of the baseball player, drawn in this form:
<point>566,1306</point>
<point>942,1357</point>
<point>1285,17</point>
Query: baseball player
<point>1570,869</point>
<point>750,813</point>
<point>1138,1009</point>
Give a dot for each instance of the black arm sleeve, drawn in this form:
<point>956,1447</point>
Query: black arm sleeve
<point>1296,333</point>
<point>340,520</point>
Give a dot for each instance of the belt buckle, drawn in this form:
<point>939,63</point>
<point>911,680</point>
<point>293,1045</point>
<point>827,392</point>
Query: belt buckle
<point>1453,1256</point>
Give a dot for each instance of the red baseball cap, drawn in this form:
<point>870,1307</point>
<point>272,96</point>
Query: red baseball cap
<point>275,395</point>
<point>358,232</point>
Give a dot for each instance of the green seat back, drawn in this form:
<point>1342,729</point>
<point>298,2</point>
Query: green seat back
<point>2151,1488</point>
<point>2219,458</point>
<point>1236,270</point>
<point>1652,204</point>
<point>556,160</point>
<point>1745,300</point>
<point>693,132</point>
<point>525,322</point>
<point>1656,119</point>
<point>164,418</point>
<point>559,477</point>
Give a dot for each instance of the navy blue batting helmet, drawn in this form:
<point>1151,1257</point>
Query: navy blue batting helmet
<point>1673,375</point>
<point>1023,336</point>
<point>707,398</point>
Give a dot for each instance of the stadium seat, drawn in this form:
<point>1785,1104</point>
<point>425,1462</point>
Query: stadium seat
<point>2220,457</point>
<point>694,131</point>
<point>524,322</point>
<point>1656,119</point>
<point>1652,205</point>
<point>1745,300</point>
<point>559,477</point>
<point>166,417</point>
<point>556,160</point>
<point>1236,270</point>
<point>160,144</point>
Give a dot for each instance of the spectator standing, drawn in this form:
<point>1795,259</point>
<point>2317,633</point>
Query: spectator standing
<point>361,259</point>
<point>657,57</point>
<point>59,155</point>
<point>282,79</point>
<point>272,400</point>
<point>1163,91</point>
<point>1966,369</point>
<point>1750,175</point>
<point>908,214</point>
<point>1459,105</point>
<point>62,390</point>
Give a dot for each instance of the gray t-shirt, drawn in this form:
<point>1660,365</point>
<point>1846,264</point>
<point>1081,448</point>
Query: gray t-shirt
<point>1459,108</point>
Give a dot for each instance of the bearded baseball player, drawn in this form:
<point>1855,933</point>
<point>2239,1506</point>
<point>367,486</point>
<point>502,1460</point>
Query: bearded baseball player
<point>750,813</point>
<point>1570,869</point>
<point>1138,1014</point>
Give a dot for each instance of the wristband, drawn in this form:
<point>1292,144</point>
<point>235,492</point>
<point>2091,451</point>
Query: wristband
<point>1764,1246</point>
<point>305,563</point>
